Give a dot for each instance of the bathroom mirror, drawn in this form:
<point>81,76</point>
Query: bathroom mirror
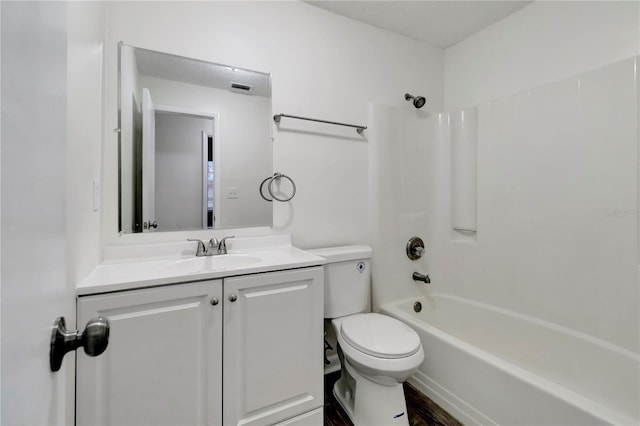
<point>194,143</point>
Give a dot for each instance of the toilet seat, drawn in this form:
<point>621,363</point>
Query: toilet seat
<point>375,368</point>
<point>380,336</point>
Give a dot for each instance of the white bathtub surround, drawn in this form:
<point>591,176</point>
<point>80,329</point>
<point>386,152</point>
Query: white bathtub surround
<point>557,166</point>
<point>404,182</point>
<point>553,161</point>
<point>552,252</point>
<point>548,246</point>
<point>487,365</point>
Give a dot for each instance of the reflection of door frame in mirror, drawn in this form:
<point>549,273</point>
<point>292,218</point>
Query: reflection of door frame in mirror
<point>216,156</point>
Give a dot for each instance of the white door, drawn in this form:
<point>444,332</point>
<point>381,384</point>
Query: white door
<point>163,365</point>
<point>148,161</point>
<point>34,286</point>
<point>272,346</point>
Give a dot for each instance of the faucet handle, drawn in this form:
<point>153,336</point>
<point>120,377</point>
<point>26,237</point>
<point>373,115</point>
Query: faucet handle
<point>415,248</point>
<point>222,245</point>
<point>202,250</point>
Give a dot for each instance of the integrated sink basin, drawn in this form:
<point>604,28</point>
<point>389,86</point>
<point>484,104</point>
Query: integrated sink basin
<point>134,267</point>
<point>221,262</point>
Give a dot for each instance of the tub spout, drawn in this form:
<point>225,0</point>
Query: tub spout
<point>421,277</point>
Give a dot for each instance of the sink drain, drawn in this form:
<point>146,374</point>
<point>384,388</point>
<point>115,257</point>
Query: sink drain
<point>417,306</point>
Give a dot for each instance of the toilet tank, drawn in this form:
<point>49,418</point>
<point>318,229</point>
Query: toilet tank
<point>347,279</point>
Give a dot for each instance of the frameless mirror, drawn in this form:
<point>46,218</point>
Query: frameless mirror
<point>194,143</point>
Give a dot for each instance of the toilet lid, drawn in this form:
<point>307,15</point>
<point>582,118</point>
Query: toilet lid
<point>380,336</point>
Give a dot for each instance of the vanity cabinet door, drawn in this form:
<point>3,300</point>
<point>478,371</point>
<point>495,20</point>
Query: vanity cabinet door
<point>163,362</point>
<point>273,343</point>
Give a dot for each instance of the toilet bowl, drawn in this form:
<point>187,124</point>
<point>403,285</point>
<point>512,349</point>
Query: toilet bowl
<point>377,353</point>
<point>379,346</point>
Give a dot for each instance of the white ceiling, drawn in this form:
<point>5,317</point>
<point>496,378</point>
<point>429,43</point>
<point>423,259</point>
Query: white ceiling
<point>442,23</point>
<point>201,73</point>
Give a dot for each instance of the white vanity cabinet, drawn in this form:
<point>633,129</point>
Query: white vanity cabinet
<point>240,350</point>
<point>163,363</point>
<point>272,346</point>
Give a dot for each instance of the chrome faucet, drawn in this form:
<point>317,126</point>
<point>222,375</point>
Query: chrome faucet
<point>222,245</point>
<point>213,248</point>
<point>202,250</point>
<point>421,277</point>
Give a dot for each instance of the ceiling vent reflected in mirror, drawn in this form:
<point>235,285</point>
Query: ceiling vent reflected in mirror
<point>241,87</point>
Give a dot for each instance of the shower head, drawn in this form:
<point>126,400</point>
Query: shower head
<point>418,101</point>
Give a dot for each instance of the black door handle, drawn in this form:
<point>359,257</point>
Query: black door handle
<point>94,339</point>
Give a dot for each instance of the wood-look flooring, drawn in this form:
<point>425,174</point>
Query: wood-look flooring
<point>422,411</point>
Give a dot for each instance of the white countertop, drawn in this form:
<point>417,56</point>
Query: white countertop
<point>246,256</point>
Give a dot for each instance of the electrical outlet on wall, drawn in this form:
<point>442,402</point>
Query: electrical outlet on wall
<point>232,192</point>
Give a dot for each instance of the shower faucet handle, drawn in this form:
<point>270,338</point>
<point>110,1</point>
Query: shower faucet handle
<point>415,248</point>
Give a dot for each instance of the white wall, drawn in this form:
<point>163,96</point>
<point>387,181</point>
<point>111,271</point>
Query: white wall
<point>179,171</point>
<point>85,40</point>
<point>551,161</point>
<point>543,42</point>
<point>323,66</point>
<point>244,147</point>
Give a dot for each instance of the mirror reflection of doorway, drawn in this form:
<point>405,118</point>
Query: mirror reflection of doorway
<point>184,185</point>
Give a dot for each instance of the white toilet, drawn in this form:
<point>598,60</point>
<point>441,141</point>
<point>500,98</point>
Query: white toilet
<point>377,353</point>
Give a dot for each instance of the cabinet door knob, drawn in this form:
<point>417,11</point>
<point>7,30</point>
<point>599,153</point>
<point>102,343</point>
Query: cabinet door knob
<point>214,301</point>
<point>233,298</point>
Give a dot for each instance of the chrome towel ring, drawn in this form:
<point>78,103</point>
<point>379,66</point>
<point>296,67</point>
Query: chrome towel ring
<point>276,176</point>
<point>261,189</point>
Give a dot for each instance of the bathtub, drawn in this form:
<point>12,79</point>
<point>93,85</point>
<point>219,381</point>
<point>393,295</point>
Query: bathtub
<point>487,365</point>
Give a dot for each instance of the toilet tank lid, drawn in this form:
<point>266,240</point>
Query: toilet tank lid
<point>343,253</point>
